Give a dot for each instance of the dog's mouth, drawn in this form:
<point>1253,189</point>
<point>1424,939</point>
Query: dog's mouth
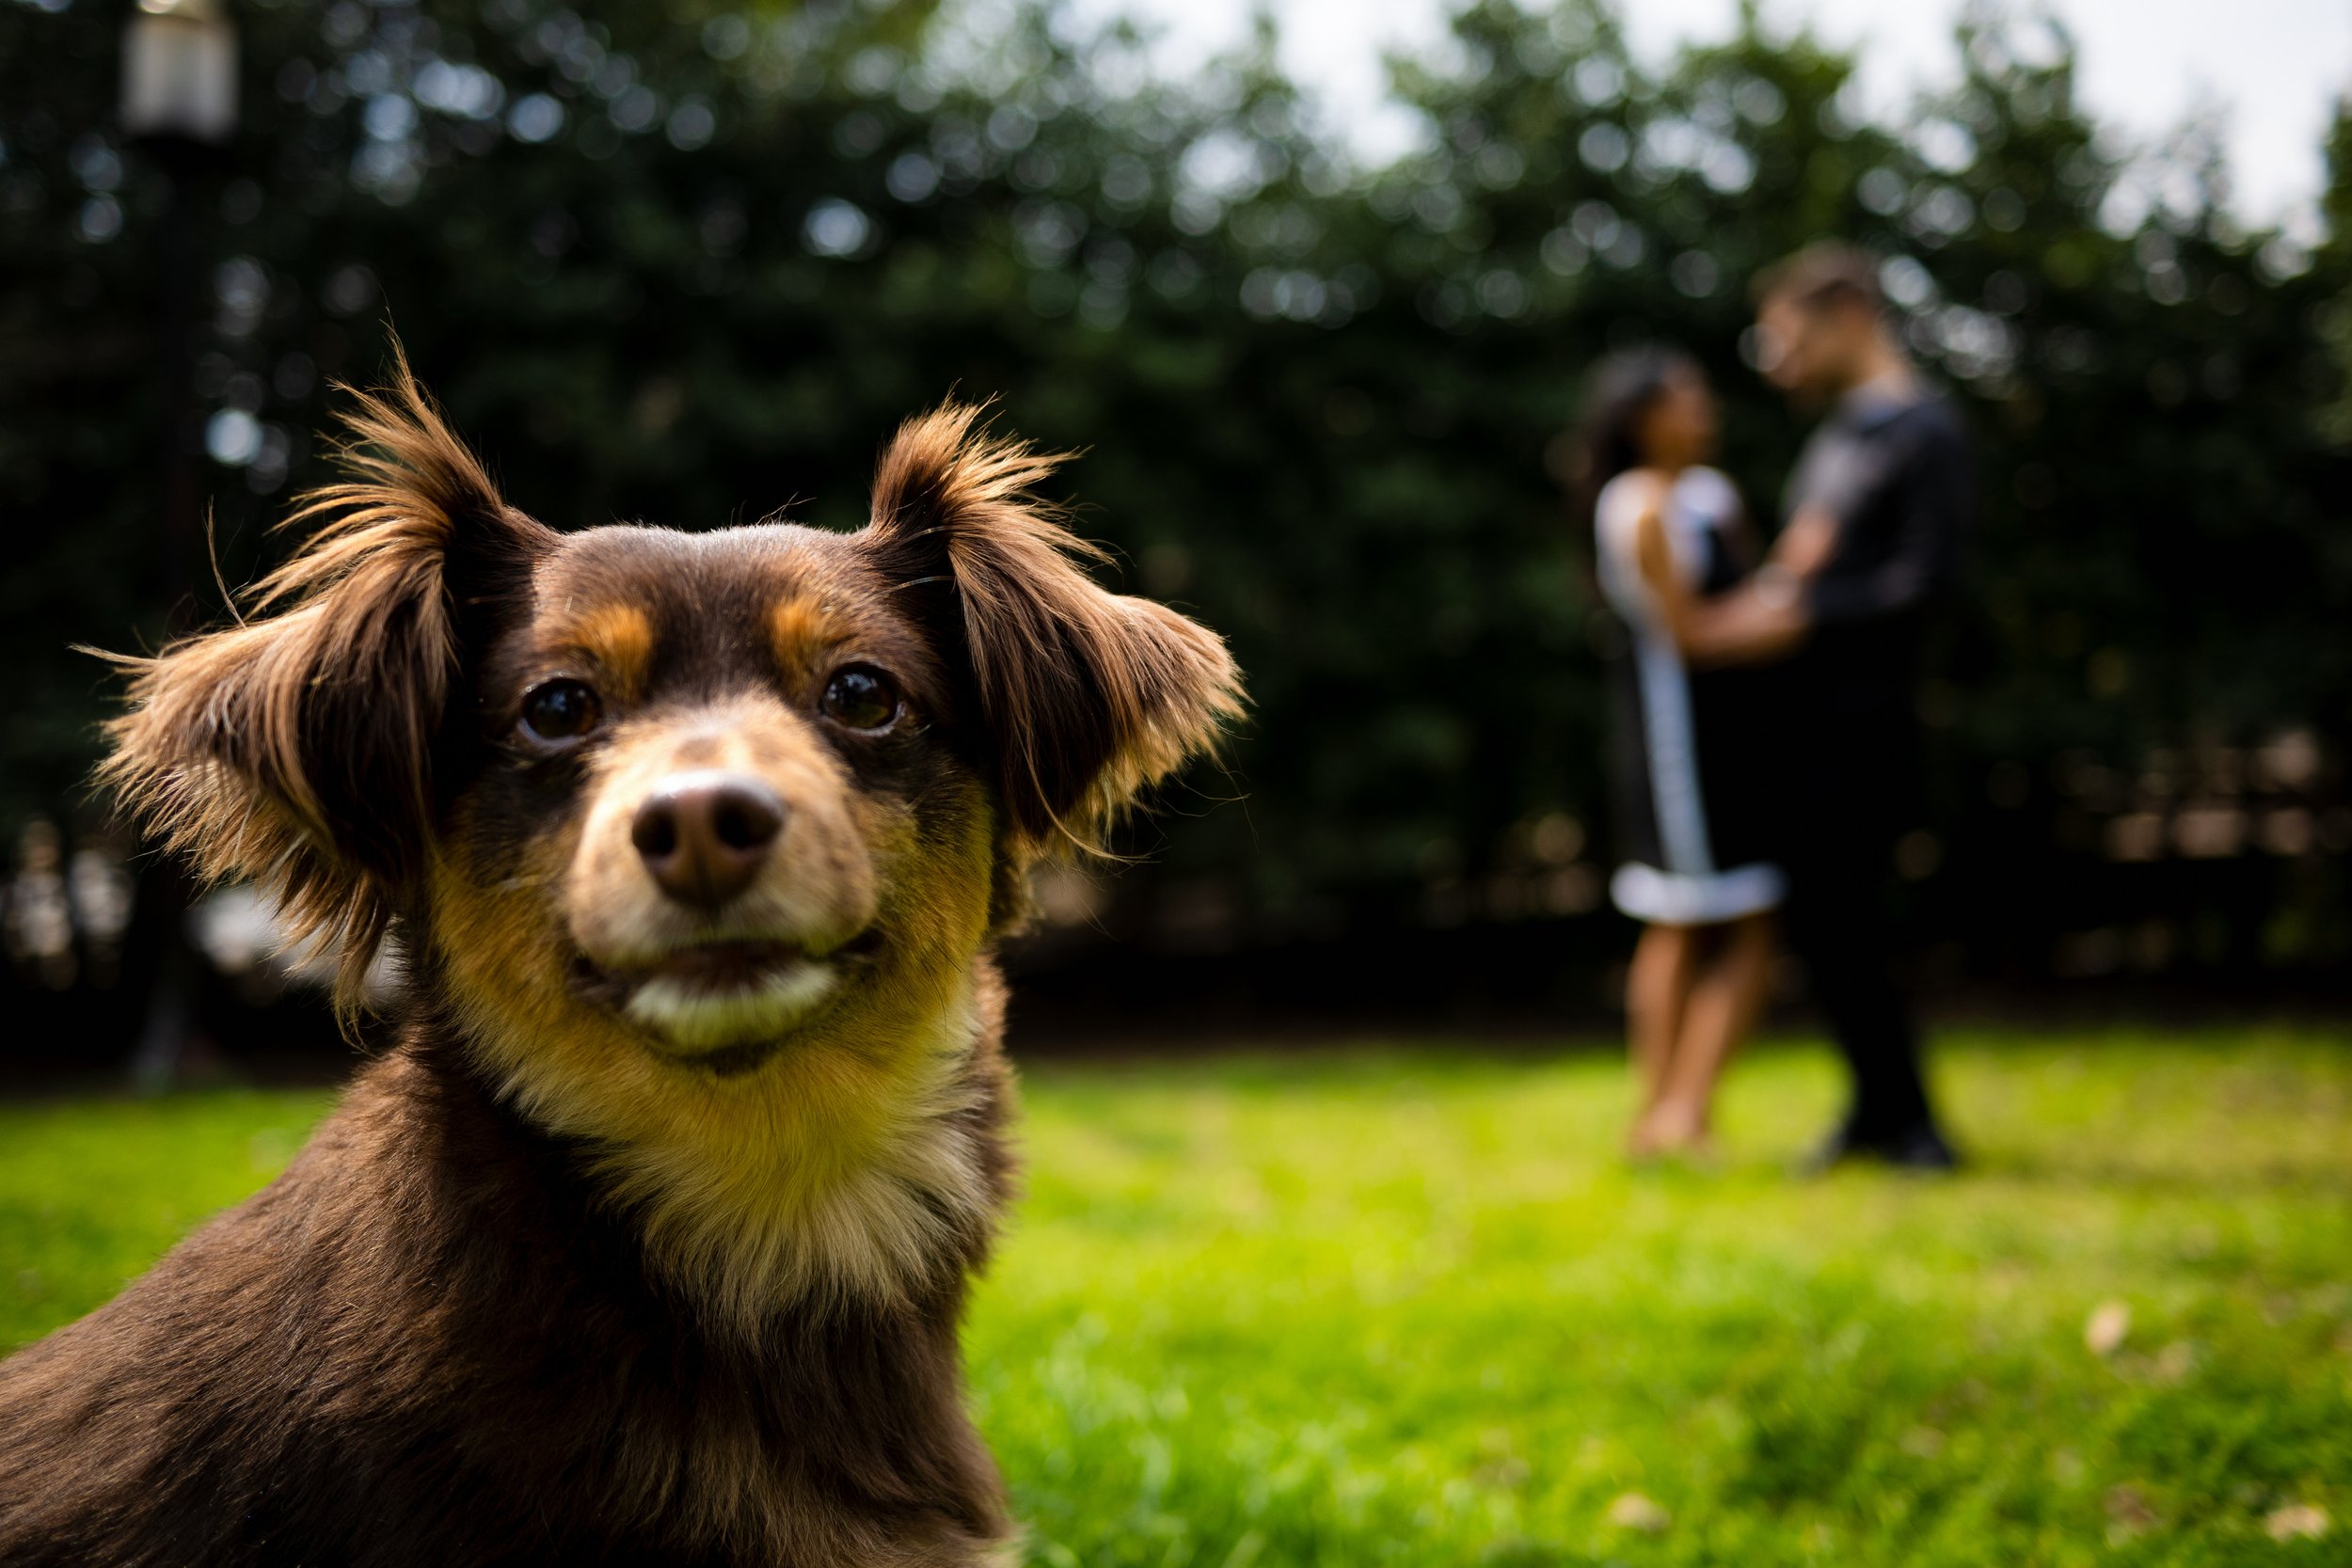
<point>726,1003</point>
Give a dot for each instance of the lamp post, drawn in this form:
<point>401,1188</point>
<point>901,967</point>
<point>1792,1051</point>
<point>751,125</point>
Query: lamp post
<point>179,104</point>
<point>180,72</point>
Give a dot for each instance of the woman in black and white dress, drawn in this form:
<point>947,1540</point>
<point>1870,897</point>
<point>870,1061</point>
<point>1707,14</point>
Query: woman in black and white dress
<point>1690,743</point>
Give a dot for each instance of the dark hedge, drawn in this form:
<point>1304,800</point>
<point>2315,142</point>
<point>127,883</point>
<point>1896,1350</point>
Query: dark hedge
<point>690,265</point>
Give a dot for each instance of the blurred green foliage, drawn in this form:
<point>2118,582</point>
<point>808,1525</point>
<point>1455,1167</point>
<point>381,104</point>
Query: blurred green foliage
<point>691,263</point>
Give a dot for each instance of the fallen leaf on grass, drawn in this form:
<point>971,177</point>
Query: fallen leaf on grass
<point>1632,1511</point>
<point>2110,1322</point>
<point>2129,1514</point>
<point>1922,1442</point>
<point>2297,1522</point>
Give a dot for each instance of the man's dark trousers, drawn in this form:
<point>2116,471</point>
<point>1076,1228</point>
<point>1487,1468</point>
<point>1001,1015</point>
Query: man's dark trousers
<point>1852,778</point>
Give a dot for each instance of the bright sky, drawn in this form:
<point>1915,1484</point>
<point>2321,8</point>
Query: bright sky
<point>2272,68</point>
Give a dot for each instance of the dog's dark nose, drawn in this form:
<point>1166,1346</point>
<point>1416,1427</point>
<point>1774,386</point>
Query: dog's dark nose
<point>705,835</point>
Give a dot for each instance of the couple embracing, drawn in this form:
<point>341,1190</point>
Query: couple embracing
<point>1768,746</point>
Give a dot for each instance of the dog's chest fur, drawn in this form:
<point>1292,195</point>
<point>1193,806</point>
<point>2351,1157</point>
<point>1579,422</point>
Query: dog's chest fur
<point>432,1341</point>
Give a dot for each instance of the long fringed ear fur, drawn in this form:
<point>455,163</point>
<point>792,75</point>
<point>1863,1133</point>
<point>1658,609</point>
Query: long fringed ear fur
<point>1086,696</point>
<point>295,749</point>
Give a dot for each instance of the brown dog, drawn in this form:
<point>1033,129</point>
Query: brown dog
<point>648,1241</point>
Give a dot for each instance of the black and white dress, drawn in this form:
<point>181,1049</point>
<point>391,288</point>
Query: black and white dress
<point>1692,768</point>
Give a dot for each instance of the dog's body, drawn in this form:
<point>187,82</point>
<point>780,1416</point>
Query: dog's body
<point>648,1241</point>
<point>426,1344</point>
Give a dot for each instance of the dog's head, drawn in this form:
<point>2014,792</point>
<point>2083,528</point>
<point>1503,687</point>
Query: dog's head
<point>696,835</point>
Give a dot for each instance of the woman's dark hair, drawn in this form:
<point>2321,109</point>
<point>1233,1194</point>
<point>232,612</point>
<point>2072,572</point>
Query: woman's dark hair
<point>1608,435</point>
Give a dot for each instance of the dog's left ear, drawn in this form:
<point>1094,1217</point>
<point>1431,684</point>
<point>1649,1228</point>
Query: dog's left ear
<point>295,748</point>
<point>1086,696</point>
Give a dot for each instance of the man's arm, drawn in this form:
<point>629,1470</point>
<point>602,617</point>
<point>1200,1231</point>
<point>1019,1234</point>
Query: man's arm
<point>1753,625</point>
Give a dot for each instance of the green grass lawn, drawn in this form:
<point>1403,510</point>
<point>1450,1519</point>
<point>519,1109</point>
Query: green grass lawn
<point>1406,1306</point>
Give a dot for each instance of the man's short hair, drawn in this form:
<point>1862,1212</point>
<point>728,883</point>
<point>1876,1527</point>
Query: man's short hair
<point>1825,273</point>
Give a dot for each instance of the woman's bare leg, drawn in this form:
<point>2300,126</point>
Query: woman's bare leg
<point>1657,990</point>
<point>1726,998</point>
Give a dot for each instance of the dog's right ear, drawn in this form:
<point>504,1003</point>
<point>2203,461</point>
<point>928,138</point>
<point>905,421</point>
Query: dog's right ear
<point>1086,696</point>
<point>295,748</point>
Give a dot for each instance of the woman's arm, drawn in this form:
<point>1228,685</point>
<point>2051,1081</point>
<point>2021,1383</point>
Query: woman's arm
<point>1653,555</point>
<point>1740,627</point>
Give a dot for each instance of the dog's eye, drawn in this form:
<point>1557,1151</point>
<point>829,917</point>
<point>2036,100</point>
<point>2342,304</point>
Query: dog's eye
<point>558,711</point>
<point>862,698</point>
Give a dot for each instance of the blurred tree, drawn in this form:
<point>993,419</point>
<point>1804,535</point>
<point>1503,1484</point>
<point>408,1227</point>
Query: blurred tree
<point>690,263</point>
<point>2336,257</point>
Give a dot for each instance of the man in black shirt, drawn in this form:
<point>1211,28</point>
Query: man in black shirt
<point>1876,509</point>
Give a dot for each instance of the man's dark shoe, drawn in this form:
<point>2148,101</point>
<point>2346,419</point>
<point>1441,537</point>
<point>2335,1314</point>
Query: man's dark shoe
<point>1919,1148</point>
<point>1922,1148</point>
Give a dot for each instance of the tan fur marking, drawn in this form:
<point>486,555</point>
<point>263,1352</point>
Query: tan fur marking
<point>619,639</point>
<point>802,632</point>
